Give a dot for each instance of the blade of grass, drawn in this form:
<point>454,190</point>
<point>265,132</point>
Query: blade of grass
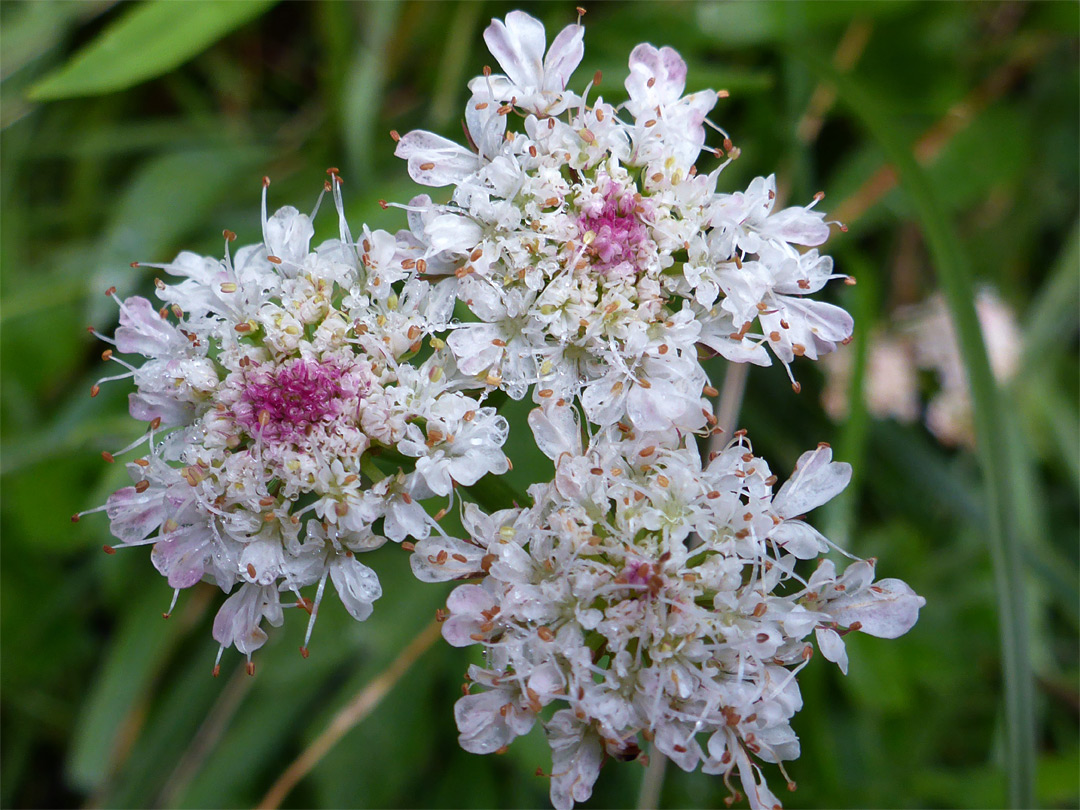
<point>1052,317</point>
<point>854,432</point>
<point>951,265</point>
<point>352,714</point>
<point>149,40</point>
<point>363,90</point>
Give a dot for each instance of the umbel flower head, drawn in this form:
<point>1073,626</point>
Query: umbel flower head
<point>296,419</point>
<point>594,256</point>
<point>644,597</point>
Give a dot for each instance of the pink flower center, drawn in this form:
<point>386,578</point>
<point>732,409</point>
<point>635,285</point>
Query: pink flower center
<point>280,405</point>
<point>637,573</point>
<point>620,233</point>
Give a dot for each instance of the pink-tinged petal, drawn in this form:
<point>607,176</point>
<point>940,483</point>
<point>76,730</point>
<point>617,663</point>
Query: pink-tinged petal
<point>288,235</point>
<point>518,47</point>
<point>237,622</point>
<point>556,431</point>
<point>799,538</point>
<point>576,757</point>
<point>143,331</point>
<point>458,234</point>
<point>356,584</point>
<point>887,609</point>
<point>828,324</point>
<point>832,647</point>
<point>485,726</point>
<point>148,406</point>
<point>656,407</point>
<point>757,792</point>
<point>473,347</point>
<point>667,70</point>
<point>816,480</point>
<point>798,226</point>
<point>434,160</point>
<point>486,127</point>
<point>563,57</point>
<point>134,516</point>
<point>438,559</point>
<point>182,556</point>
<point>466,604</point>
<point>264,557</point>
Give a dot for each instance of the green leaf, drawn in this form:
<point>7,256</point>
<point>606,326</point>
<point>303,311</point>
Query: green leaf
<point>148,41</point>
<point>111,714</point>
<point>953,271</point>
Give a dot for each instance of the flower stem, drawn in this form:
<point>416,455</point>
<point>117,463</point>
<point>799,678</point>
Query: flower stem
<point>653,783</point>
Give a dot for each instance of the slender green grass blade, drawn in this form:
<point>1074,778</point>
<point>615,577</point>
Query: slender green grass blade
<point>1053,316</point>
<point>148,41</point>
<point>953,271</point>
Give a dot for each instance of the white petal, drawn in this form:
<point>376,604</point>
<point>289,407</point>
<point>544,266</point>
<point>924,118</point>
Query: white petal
<point>887,609</point>
<point>518,46</point>
<point>817,479</point>
<point>357,585</point>
<point>556,431</point>
<point>832,647</point>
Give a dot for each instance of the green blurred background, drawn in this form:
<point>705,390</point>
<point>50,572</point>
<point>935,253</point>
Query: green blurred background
<point>132,131</point>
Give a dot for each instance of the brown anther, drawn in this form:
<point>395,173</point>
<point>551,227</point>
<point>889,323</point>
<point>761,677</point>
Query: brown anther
<point>426,167</point>
<point>709,391</point>
<point>95,390</point>
<point>229,235</point>
<point>108,549</point>
<point>107,456</point>
<point>545,393</point>
<point>142,486</point>
<point>266,181</point>
<point>662,480</point>
<point>722,94</point>
<point>266,501</point>
<point>408,546</point>
<point>499,342</point>
<point>111,291</point>
<point>216,670</point>
<point>545,633</point>
<point>796,387</point>
<point>597,470</point>
<point>798,349</point>
<point>250,667</point>
<point>486,561</point>
<point>242,328</point>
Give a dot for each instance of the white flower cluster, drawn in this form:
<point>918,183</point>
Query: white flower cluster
<point>292,421</point>
<point>304,404</point>
<point>649,598</point>
<point>594,257</point>
<point>642,596</point>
